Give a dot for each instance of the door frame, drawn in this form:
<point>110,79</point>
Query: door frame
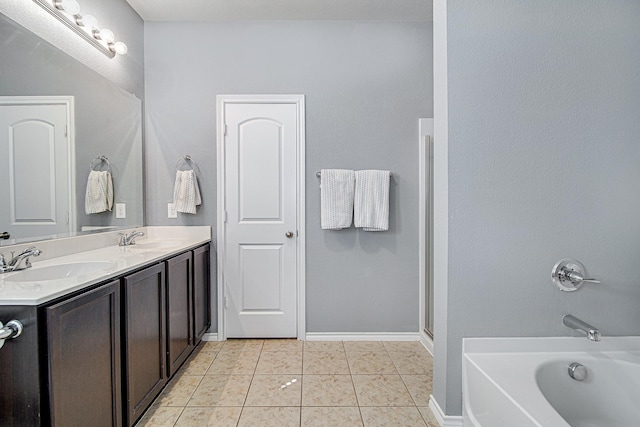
<point>68,102</point>
<point>299,102</point>
<point>425,226</point>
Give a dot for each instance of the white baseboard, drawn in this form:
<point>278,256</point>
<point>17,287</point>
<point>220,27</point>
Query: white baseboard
<point>427,342</point>
<point>362,336</point>
<point>210,336</point>
<point>441,418</point>
<point>355,336</point>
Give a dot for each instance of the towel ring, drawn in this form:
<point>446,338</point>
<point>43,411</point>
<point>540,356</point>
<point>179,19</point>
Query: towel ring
<point>188,162</point>
<point>98,161</point>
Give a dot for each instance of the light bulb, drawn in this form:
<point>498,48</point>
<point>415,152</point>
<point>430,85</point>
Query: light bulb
<point>105,35</point>
<point>119,47</point>
<point>72,7</point>
<point>88,21</point>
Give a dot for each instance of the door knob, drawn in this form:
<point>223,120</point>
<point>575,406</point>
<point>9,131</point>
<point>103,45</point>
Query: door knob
<point>289,234</point>
<point>5,235</point>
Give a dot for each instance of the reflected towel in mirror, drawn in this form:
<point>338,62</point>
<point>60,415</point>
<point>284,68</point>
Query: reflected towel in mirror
<point>99,195</point>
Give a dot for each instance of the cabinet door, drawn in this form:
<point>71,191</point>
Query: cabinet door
<point>145,354</point>
<point>179,311</point>
<point>201,293</point>
<point>84,359</point>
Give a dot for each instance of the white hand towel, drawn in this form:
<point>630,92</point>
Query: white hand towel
<point>99,195</point>
<point>186,193</point>
<point>336,198</point>
<point>371,202</point>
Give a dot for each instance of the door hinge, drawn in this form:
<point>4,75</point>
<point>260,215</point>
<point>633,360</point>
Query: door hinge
<point>226,301</point>
<point>225,130</point>
<point>66,130</point>
<point>226,216</point>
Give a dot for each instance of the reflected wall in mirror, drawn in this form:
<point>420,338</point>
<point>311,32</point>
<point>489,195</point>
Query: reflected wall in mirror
<point>108,121</point>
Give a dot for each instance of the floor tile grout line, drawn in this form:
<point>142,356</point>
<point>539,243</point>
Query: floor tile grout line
<point>353,383</point>
<point>253,375</point>
<point>408,391</point>
<point>179,415</point>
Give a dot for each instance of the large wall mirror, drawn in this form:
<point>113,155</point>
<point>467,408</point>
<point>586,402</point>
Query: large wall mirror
<point>106,121</point>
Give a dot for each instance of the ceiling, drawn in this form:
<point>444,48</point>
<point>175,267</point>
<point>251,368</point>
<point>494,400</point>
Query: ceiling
<point>284,10</point>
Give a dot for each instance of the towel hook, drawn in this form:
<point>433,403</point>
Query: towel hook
<point>98,161</point>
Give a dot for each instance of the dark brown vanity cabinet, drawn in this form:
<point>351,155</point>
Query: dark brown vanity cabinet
<point>83,340</point>
<point>201,292</point>
<point>179,310</point>
<point>100,356</point>
<point>144,339</point>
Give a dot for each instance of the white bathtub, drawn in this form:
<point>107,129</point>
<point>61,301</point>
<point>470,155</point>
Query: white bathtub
<point>522,382</point>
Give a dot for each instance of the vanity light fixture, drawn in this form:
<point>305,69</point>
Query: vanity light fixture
<point>72,7</point>
<point>68,12</point>
<point>105,35</point>
<point>88,22</point>
<point>120,48</point>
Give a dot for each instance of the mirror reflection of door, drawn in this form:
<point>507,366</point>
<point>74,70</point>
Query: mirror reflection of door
<point>36,159</point>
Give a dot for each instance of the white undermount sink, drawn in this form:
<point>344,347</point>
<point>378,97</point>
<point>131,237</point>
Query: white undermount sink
<point>59,271</point>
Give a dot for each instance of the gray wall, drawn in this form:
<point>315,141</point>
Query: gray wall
<point>366,85</point>
<point>544,163</point>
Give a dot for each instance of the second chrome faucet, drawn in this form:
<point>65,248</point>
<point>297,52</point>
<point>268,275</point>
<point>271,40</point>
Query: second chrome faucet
<point>130,239</point>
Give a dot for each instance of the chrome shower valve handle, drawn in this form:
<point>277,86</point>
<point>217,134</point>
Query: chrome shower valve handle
<point>569,275</point>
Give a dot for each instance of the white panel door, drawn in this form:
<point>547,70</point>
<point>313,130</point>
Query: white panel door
<point>260,229</point>
<point>34,170</point>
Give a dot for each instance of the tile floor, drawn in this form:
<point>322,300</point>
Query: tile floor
<point>261,383</point>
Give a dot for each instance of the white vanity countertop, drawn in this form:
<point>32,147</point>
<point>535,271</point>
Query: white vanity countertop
<point>97,265</point>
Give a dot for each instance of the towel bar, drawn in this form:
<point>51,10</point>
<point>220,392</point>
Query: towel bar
<point>318,174</point>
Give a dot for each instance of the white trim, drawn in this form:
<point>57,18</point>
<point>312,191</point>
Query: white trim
<point>302,239</point>
<point>427,342</point>
<point>220,216</point>
<point>362,336</point>
<point>441,418</point>
<point>299,101</point>
<point>68,101</point>
<point>440,201</point>
<point>210,336</point>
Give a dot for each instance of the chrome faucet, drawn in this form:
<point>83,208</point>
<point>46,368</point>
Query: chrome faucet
<point>130,239</point>
<point>574,323</point>
<point>19,262</point>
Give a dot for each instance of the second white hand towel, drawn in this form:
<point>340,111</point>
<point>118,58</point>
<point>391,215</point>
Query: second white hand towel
<point>336,198</point>
<point>371,202</point>
<point>186,193</point>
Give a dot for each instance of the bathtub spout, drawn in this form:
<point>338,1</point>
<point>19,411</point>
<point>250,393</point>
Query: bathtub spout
<point>574,323</point>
